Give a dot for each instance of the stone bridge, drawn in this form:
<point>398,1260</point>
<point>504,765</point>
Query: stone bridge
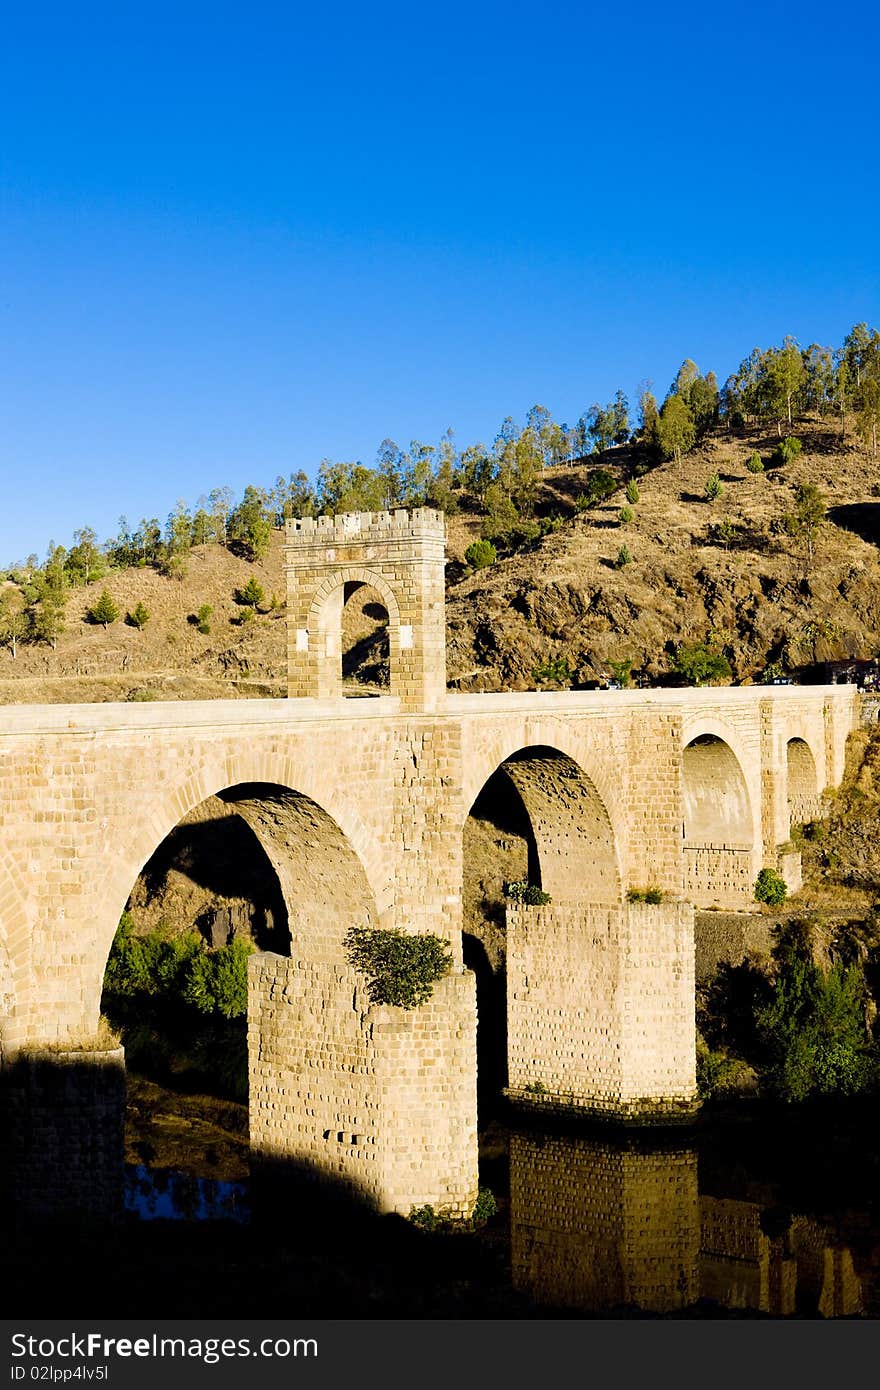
<point>360,807</point>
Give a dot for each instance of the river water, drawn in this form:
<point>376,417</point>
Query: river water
<point>772,1217</point>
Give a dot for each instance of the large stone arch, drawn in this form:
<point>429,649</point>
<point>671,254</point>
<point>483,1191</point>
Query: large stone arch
<point>599,990</point>
<point>496,749</point>
<point>574,837</point>
<point>291,777</point>
<point>720,819</point>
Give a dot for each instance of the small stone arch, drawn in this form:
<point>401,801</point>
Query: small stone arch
<point>325,625</point>
<point>719,829</point>
<point>802,782</point>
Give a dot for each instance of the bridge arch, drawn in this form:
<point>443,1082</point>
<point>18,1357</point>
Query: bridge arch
<point>802,782</point>
<point>491,751</point>
<point>720,826</point>
<point>295,816</point>
<point>325,624</point>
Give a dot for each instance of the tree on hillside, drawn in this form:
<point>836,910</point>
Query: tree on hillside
<point>220,500</point>
<point>252,594</point>
<point>818,385</point>
<point>807,519</point>
<point>785,375</point>
<point>697,663</point>
<point>104,610</point>
<point>85,562</point>
<point>250,522</point>
<point>868,411</point>
<point>476,469</point>
<point>676,429</point>
<point>13,617</point>
<point>47,619</point>
<point>139,616</point>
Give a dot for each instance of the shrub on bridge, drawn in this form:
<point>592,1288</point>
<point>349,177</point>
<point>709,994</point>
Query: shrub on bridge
<point>770,888</point>
<point>524,892</point>
<point>401,969</point>
<point>650,895</point>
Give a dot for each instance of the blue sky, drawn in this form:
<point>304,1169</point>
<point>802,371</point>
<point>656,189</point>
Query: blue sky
<point>237,238</point>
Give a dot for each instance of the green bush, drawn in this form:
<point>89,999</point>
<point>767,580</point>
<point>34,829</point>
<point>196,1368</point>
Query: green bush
<point>621,671</point>
<point>216,981</point>
<point>632,491</point>
<point>626,515</point>
<point>251,595</point>
<point>524,892</point>
<point>138,617</point>
<point>624,557</point>
<point>714,1070</point>
<point>179,969</point>
<point>696,663</point>
<point>104,610</point>
<point>556,670</point>
<point>713,487</point>
<point>786,450</point>
<point>480,554</point>
<point>645,895</point>
<point>770,888</point>
<point>485,1205</point>
<point>754,463</point>
<point>814,1031</point>
<point>203,619</point>
<point>401,969</point>
<point>601,483</point>
<point>425,1218</point>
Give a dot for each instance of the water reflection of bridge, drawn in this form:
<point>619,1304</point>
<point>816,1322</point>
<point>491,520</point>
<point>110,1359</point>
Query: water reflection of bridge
<point>597,1225</point>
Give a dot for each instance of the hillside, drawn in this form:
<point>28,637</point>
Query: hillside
<point>750,591</point>
<point>755,597</point>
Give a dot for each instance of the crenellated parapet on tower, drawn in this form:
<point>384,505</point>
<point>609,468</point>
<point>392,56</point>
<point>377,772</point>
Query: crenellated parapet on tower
<point>400,554</point>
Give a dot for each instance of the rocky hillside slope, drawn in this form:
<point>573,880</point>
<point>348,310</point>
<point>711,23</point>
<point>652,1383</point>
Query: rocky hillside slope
<point>722,571</point>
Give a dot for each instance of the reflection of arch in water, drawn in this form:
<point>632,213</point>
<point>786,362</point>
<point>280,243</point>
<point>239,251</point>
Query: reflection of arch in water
<point>719,824</point>
<point>597,1225</point>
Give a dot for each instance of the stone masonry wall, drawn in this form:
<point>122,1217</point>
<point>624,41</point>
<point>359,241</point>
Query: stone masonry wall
<point>601,1008</point>
<point>718,876</point>
<point>375,1103</point>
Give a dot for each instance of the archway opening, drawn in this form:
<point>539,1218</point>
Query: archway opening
<point>537,820</point>
<point>257,867</point>
<point>366,651</point>
<point>803,788</point>
<point>717,811</point>
<point>718,829</point>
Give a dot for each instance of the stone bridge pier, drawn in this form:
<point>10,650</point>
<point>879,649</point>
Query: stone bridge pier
<point>359,807</point>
